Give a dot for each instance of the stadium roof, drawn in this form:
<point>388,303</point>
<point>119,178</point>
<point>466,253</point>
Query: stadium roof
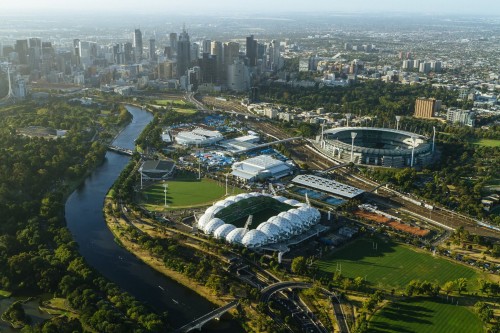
<point>327,185</point>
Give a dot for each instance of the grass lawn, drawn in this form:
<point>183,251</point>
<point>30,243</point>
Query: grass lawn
<point>5,293</point>
<point>422,315</point>
<point>184,193</point>
<point>185,111</point>
<point>487,143</point>
<point>169,101</point>
<point>394,265</point>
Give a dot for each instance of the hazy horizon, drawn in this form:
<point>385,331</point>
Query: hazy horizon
<point>276,7</point>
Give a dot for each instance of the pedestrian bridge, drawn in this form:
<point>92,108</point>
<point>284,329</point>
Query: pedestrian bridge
<point>215,314</point>
<point>121,150</point>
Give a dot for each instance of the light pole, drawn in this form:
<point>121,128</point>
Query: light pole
<point>353,136</point>
<point>398,118</point>
<point>227,174</point>
<point>433,138</point>
<point>347,117</point>
<point>413,141</point>
<point>165,186</point>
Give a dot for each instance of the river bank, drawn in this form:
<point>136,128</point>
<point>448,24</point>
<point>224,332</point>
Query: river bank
<point>117,227</point>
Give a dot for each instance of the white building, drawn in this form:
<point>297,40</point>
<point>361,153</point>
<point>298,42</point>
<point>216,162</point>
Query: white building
<point>198,137</point>
<point>260,168</point>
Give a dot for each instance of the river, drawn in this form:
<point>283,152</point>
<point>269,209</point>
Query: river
<point>84,216</point>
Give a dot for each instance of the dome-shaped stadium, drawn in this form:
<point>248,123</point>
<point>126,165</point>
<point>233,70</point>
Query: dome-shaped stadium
<point>294,219</point>
<point>377,146</point>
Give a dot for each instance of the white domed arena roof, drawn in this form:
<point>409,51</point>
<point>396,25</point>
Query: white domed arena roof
<point>222,231</point>
<point>242,196</point>
<point>271,230</point>
<point>232,197</point>
<point>301,204</point>
<point>214,209</point>
<point>254,238</point>
<point>235,236</point>
<point>211,226</point>
<point>254,194</point>
<point>280,198</point>
<point>282,223</point>
<point>294,220</point>
<point>291,202</point>
<point>203,220</point>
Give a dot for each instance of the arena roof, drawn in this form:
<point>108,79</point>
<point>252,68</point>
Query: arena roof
<point>261,166</point>
<point>327,185</point>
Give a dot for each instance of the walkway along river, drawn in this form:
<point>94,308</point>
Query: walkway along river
<point>84,217</point>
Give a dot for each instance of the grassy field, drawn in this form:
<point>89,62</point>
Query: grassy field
<point>393,265</point>
<point>185,111</point>
<point>169,101</point>
<point>184,193</point>
<point>5,293</point>
<point>487,143</point>
<point>425,316</point>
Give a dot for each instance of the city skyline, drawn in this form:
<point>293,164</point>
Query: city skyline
<point>462,7</point>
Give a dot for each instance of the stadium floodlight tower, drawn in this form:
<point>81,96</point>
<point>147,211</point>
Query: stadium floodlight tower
<point>398,118</point>
<point>347,117</point>
<point>227,174</point>
<point>353,136</point>
<point>433,138</point>
<point>165,186</point>
<point>413,142</point>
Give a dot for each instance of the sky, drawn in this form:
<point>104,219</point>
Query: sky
<point>199,7</point>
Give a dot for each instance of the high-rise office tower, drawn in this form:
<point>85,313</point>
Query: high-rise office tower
<point>138,44</point>
<point>195,52</point>
<point>183,53</point>
<point>152,49</point>
<point>216,50</point>
<point>206,46</point>
<point>21,48</point>
<point>273,54</point>
<point>173,42</point>
<point>34,52</point>
<point>128,51</point>
<point>231,53</point>
<point>251,51</point>
<point>208,67</point>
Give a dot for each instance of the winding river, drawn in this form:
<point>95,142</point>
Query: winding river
<point>96,243</point>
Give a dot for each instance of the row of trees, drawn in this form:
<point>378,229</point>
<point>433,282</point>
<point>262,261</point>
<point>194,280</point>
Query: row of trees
<point>37,252</point>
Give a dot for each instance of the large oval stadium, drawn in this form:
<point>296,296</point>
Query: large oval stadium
<point>275,218</point>
<point>377,146</point>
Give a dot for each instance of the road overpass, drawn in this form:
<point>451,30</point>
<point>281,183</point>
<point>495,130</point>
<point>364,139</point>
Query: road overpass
<point>215,314</point>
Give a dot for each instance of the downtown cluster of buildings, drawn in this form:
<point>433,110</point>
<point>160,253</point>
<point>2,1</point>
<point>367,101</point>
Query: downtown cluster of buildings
<point>208,65</point>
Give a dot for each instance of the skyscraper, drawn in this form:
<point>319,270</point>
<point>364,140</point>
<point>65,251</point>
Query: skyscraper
<point>21,48</point>
<point>231,53</point>
<point>152,49</point>
<point>183,53</point>
<point>251,52</point>
<point>138,44</point>
<point>206,46</point>
<point>173,42</point>
<point>216,50</point>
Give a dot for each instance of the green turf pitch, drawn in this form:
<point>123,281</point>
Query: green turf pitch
<point>425,316</point>
<point>388,265</point>
<point>184,193</point>
<point>262,208</point>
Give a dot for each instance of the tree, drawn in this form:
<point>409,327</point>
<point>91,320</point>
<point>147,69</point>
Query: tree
<point>299,265</point>
<point>449,287</point>
<point>461,285</point>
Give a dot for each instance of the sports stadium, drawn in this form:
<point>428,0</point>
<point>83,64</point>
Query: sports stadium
<point>274,219</point>
<point>377,146</point>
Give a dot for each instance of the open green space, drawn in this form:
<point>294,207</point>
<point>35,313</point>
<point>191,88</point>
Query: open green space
<point>487,143</point>
<point>184,192</point>
<point>262,208</point>
<point>423,315</point>
<point>170,101</point>
<point>185,111</point>
<point>5,293</point>
<point>386,264</point>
